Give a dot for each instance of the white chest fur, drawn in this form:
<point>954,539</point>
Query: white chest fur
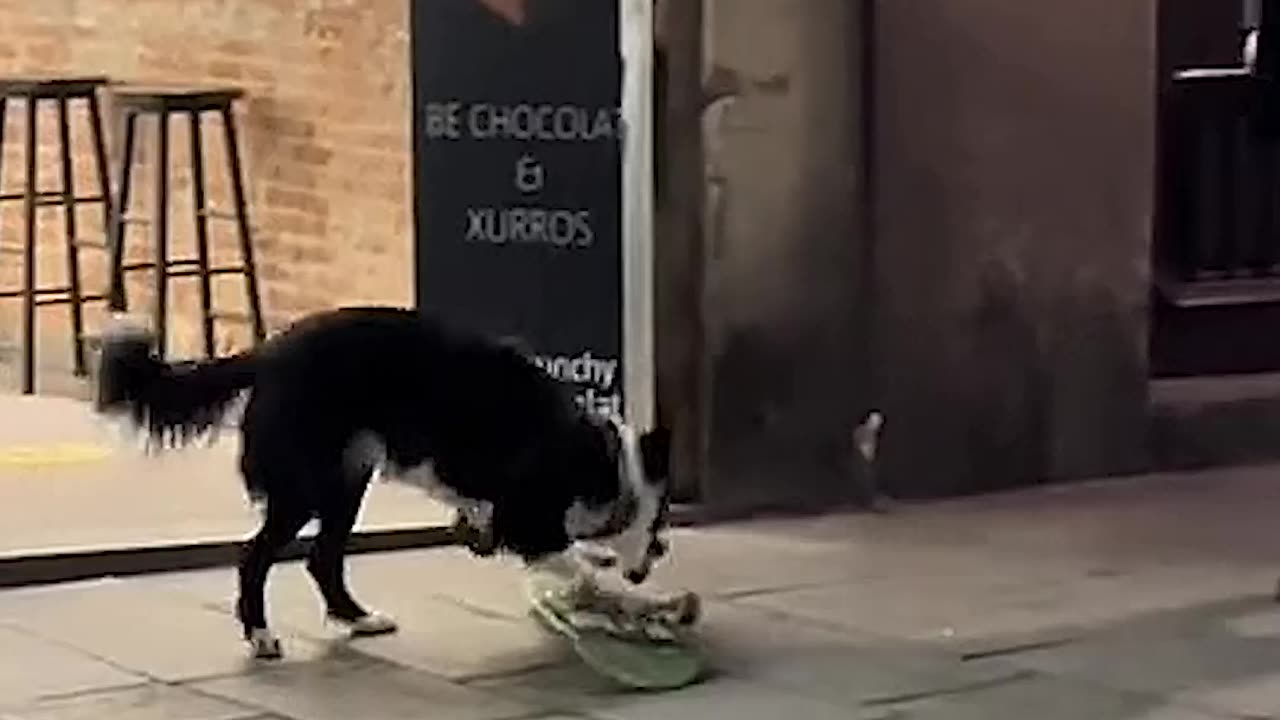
<point>478,512</point>
<point>367,449</point>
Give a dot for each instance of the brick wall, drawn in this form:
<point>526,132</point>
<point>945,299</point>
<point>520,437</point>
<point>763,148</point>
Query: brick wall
<point>324,136</point>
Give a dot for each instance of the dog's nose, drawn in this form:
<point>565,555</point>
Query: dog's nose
<point>635,577</point>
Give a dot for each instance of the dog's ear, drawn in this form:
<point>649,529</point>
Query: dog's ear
<point>655,453</point>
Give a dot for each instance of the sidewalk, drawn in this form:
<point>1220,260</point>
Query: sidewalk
<point>1136,600</point>
<point>67,484</point>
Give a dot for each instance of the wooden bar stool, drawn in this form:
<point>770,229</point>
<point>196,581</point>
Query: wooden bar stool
<point>62,91</point>
<point>134,102</point>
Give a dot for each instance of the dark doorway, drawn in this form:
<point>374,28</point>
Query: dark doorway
<point>1216,255</point>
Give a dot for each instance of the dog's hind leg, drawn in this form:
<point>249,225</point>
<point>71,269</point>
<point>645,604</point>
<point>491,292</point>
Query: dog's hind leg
<point>280,525</point>
<point>327,564</point>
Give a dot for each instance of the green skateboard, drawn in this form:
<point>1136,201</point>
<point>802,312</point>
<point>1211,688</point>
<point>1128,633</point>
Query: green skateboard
<point>648,650</point>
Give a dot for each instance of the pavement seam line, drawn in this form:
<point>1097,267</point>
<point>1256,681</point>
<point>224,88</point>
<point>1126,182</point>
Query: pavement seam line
<point>893,641</point>
<point>749,593</point>
<point>828,626</point>
<point>1015,676</point>
<point>190,682</point>
<point>476,679</point>
<point>1018,648</point>
<point>256,713</point>
<point>264,713</point>
<point>148,678</point>
<point>473,608</point>
<point>1155,697</point>
<point>259,712</point>
<point>91,692</point>
<point>35,635</point>
<point>543,713</point>
<point>367,660</point>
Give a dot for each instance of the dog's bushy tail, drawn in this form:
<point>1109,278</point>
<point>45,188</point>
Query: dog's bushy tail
<point>172,403</point>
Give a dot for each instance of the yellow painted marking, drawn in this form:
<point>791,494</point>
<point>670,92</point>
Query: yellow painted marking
<point>52,454</point>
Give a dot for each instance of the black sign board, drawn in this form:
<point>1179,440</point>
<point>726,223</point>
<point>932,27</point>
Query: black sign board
<point>518,189</point>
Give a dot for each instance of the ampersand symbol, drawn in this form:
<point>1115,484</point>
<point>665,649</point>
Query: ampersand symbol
<point>529,175</point>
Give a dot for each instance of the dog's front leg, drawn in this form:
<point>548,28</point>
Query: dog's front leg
<point>577,573</point>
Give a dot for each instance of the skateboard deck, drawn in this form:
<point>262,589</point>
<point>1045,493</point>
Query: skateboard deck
<point>640,662</point>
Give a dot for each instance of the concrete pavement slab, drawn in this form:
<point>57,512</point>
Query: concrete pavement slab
<point>715,563</point>
<point>457,644</point>
<point>1257,697</point>
<point>1045,697</point>
<point>1009,604</point>
<point>32,667</point>
<point>1261,622</point>
<point>461,617</point>
<point>340,691</point>
<point>1187,653</point>
<point>1222,515</point>
<point>146,702</point>
<point>489,586</point>
<point>576,690</point>
<point>923,608</point>
<point>163,636</point>
<point>437,634</point>
<point>729,699</point>
<point>845,669</point>
<point>452,642</point>
<point>569,688</point>
<point>736,561</point>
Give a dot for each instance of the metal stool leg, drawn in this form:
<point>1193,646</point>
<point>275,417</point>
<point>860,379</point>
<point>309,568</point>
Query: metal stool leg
<point>4,106</point>
<point>29,254</point>
<point>73,242</point>
<point>100,158</point>
<point>118,301</point>
<point>198,204</point>
<point>160,217</point>
<point>242,224</point>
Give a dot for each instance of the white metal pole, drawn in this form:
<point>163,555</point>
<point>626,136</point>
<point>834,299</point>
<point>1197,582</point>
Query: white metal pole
<point>639,369</point>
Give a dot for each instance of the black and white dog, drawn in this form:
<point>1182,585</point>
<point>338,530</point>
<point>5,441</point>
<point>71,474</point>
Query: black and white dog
<point>347,394</point>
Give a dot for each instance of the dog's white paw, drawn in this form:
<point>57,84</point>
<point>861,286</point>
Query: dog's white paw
<point>264,645</point>
<point>375,623</point>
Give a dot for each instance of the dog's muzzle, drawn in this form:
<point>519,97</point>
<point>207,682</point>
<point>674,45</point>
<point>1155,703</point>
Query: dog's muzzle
<point>656,551</point>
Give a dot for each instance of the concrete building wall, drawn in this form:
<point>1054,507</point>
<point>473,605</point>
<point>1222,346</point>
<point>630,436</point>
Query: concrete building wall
<point>783,362</point>
<point>1014,177</point>
<point>997,313</point>
<point>679,259</point>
